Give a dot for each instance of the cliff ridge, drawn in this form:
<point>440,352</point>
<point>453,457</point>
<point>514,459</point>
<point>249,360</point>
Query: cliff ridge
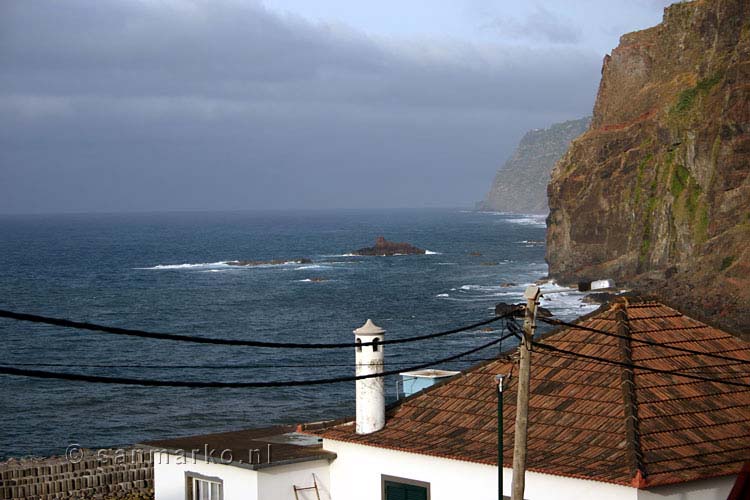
<point>656,193</point>
<point>520,185</point>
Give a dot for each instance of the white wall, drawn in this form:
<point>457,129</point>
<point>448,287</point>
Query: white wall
<point>169,478</point>
<point>708,489</point>
<point>356,474</point>
<point>275,483</point>
<point>271,483</point>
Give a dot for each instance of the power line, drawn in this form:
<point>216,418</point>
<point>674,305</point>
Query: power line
<point>643,341</point>
<point>639,367</point>
<point>235,342</point>
<point>223,367</point>
<point>8,370</point>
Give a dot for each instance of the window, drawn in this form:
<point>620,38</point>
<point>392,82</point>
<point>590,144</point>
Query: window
<point>359,345</point>
<point>375,343</point>
<point>203,488</point>
<point>396,488</point>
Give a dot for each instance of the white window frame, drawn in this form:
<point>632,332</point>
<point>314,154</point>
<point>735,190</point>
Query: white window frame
<point>194,482</point>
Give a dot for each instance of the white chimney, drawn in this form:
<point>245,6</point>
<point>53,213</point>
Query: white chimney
<point>370,391</point>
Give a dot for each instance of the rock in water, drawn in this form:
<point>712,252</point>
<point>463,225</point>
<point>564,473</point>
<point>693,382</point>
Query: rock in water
<point>384,247</point>
<point>599,298</point>
<point>656,193</point>
<point>520,186</point>
<point>502,309</point>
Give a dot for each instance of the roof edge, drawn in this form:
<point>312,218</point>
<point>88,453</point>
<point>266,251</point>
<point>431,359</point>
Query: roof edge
<point>480,462</point>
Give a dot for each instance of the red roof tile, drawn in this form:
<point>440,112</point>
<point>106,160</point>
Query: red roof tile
<point>682,429</point>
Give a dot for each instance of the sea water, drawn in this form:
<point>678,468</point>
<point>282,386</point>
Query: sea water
<point>168,272</point>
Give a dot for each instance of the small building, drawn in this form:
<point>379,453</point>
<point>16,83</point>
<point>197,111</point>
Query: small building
<point>602,284</point>
<point>249,465</point>
<point>418,380</point>
<point>628,427</point>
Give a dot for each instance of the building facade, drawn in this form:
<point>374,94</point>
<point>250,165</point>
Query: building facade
<point>638,402</point>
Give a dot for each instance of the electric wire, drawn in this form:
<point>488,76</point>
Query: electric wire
<point>76,377</point>
<point>515,328</point>
<point>216,367</point>
<point>558,322</point>
<point>65,323</point>
<point>634,366</point>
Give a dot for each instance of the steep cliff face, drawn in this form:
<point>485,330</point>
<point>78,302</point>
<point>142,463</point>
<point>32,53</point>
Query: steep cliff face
<point>520,186</point>
<point>657,193</point>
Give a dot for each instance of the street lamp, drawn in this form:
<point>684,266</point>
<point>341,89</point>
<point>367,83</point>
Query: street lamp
<point>499,381</point>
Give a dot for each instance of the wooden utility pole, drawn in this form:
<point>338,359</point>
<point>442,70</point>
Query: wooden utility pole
<point>522,404</point>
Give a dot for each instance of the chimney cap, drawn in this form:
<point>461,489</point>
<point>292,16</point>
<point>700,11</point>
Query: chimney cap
<point>532,292</point>
<point>499,380</point>
<point>369,328</point>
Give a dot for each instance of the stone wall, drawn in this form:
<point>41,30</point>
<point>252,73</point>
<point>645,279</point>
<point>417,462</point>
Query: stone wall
<point>124,473</point>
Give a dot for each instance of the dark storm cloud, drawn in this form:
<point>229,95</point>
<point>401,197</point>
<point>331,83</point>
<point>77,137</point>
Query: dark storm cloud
<point>164,105</point>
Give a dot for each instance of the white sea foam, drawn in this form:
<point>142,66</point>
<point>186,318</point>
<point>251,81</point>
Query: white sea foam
<point>311,267</point>
<point>430,252</point>
<point>280,264</point>
<point>529,220</point>
<point>472,299</point>
<point>564,302</point>
<point>222,265</point>
<point>442,295</point>
<point>204,265</point>
<point>480,288</point>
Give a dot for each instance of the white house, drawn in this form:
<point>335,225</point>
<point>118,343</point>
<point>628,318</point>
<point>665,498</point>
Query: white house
<point>252,464</point>
<point>596,429</point>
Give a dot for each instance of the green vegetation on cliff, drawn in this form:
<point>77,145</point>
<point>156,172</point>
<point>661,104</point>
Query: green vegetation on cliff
<point>687,97</point>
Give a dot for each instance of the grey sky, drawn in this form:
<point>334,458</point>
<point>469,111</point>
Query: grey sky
<point>227,104</point>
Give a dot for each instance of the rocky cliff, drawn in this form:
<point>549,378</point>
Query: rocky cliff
<point>657,193</point>
<point>520,186</point>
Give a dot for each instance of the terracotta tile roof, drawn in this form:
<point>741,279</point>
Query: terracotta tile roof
<point>594,420</point>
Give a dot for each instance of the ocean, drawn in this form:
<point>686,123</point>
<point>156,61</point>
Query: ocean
<point>167,272</point>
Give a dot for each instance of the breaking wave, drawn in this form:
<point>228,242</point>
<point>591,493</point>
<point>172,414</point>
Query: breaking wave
<point>204,265</point>
<point>529,220</point>
<point>564,302</point>
<point>222,265</point>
